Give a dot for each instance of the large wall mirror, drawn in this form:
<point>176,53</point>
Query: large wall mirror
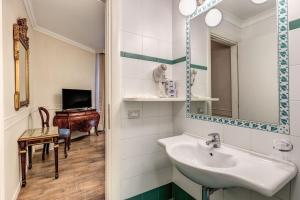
<point>21,56</point>
<point>237,64</point>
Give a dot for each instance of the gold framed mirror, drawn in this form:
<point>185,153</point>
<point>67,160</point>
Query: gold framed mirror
<point>21,57</point>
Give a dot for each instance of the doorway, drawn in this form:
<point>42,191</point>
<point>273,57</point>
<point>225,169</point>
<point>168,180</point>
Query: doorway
<point>224,77</point>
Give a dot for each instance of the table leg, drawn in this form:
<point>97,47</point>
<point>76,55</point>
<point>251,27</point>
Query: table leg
<point>22,147</point>
<point>55,140</point>
<point>30,157</point>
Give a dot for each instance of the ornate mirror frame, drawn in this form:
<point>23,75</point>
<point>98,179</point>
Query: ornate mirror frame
<point>283,71</point>
<point>20,38</point>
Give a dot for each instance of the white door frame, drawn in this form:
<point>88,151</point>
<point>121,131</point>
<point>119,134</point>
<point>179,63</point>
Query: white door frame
<point>1,109</point>
<point>113,100</point>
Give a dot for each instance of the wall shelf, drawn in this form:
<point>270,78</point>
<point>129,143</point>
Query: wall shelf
<point>157,99</point>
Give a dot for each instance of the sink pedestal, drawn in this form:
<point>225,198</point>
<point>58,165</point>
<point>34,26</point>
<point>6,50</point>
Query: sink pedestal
<point>206,192</point>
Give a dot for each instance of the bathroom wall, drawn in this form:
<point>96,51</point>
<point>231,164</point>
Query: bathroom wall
<point>146,29</point>
<point>250,139</point>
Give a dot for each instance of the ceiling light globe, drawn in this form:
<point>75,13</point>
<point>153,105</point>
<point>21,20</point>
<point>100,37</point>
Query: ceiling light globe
<point>213,17</point>
<point>187,7</point>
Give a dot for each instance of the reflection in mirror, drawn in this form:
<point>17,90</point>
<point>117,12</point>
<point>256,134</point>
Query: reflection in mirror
<point>22,73</point>
<point>234,65</point>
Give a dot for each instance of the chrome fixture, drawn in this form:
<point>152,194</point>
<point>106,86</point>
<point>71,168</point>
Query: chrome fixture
<point>215,141</point>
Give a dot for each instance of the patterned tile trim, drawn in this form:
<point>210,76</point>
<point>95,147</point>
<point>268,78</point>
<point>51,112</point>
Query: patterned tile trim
<point>165,192</point>
<point>295,24</point>
<point>159,60</point>
<point>283,58</point>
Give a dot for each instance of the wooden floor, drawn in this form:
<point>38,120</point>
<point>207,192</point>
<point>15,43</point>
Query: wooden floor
<point>81,175</point>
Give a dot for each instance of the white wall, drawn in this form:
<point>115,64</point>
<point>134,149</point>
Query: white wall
<point>1,110</point>
<point>146,28</point>
<point>251,139</point>
<point>14,122</point>
<point>56,65</point>
<point>259,41</point>
<point>53,65</point>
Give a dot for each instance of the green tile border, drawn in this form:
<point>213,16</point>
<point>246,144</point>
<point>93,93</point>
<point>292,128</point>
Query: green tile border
<point>161,193</point>
<point>158,60</point>
<point>165,192</point>
<point>295,24</point>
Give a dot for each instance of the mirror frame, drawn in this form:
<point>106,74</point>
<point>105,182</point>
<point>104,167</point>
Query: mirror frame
<point>20,38</point>
<point>283,74</point>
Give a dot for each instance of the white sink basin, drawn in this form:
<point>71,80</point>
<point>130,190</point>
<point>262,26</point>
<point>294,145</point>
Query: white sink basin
<point>227,166</point>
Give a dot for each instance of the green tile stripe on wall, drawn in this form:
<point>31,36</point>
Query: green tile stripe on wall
<point>161,193</point>
<point>294,24</point>
<point>146,58</point>
<point>158,60</point>
<point>165,192</point>
<point>180,194</point>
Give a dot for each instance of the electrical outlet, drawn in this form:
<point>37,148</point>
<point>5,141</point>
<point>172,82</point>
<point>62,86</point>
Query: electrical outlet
<point>134,114</point>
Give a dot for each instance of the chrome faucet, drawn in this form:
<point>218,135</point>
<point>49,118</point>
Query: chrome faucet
<point>216,140</point>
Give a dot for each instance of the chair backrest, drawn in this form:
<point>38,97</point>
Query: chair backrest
<point>45,121</point>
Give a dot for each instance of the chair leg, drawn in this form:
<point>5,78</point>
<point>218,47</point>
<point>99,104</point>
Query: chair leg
<point>47,149</point>
<point>96,130</point>
<point>44,150</point>
<point>69,142</point>
<point>66,144</point>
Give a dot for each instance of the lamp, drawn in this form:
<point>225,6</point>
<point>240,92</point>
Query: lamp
<point>187,7</point>
<point>213,17</point>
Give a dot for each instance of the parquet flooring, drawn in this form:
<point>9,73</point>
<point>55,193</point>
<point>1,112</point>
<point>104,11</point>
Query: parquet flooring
<point>81,175</point>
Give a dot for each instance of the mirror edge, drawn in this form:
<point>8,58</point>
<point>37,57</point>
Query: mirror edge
<point>283,70</point>
<point>20,38</point>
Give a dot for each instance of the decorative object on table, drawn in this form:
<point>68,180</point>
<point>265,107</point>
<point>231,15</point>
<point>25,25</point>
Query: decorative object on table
<point>159,76</point>
<point>21,57</point>
<point>171,88</point>
<point>64,133</point>
<point>36,137</point>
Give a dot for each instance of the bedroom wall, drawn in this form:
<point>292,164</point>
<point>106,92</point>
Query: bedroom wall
<point>15,123</point>
<point>53,65</point>
<point>56,65</point>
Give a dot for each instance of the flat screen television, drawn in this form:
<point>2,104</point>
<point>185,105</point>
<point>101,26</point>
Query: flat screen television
<point>72,99</point>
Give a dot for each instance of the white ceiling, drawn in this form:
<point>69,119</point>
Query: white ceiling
<point>245,9</point>
<point>79,21</point>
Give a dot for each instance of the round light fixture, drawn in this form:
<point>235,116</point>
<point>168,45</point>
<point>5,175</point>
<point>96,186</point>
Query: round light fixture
<point>258,1</point>
<point>213,17</point>
<point>187,7</point>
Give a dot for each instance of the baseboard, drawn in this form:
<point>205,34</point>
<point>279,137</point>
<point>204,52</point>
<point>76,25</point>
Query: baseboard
<point>16,194</point>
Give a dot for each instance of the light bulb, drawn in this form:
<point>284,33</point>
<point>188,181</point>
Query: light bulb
<point>213,17</point>
<point>258,1</point>
<point>187,7</point>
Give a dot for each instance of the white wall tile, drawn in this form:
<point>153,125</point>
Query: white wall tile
<point>131,20</point>
<point>131,42</point>
<point>262,142</point>
<point>256,196</point>
<point>237,136</point>
<point>294,9</point>
<point>150,47</point>
<point>294,43</point>
<point>236,194</point>
<point>131,68</point>
<point>136,185</point>
<point>294,118</point>
<point>294,82</point>
<point>295,191</point>
<point>144,164</point>
<point>294,155</point>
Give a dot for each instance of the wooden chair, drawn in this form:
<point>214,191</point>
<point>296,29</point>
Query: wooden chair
<point>63,133</point>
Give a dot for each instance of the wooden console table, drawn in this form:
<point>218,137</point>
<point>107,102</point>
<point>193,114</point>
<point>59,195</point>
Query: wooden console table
<point>33,137</point>
<point>77,120</point>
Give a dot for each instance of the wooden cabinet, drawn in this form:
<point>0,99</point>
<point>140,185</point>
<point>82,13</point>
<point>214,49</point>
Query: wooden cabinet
<point>77,120</point>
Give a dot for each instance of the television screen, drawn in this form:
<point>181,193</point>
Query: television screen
<point>76,98</point>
